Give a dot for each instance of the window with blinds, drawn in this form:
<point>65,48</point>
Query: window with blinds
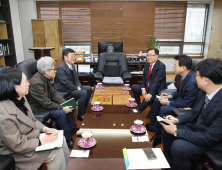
<point>170,20</point>
<point>75,16</point>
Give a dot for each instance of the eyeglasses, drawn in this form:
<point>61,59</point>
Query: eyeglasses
<point>52,69</point>
<point>196,74</point>
<point>151,56</point>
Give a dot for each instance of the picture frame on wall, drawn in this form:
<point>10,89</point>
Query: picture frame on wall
<point>1,50</point>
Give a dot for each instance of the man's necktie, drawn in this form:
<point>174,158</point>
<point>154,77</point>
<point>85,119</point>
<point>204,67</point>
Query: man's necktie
<point>207,100</point>
<point>147,82</point>
<point>181,83</point>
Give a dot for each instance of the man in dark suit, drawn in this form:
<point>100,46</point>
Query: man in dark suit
<point>154,79</point>
<point>185,96</point>
<point>66,78</point>
<point>200,129</point>
<point>42,97</point>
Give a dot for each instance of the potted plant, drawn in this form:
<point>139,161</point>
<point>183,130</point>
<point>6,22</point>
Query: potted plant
<point>152,42</point>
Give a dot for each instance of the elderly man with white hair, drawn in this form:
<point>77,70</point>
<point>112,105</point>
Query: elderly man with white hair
<point>42,97</point>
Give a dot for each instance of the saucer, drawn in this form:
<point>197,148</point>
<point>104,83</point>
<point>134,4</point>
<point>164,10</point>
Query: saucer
<point>126,88</point>
<point>129,105</point>
<point>99,87</point>
<point>133,129</point>
<point>99,109</point>
<point>82,144</point>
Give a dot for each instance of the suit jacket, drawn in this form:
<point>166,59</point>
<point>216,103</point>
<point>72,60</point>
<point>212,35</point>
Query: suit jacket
<point>157,79</point>
<point>40,98</point>
<point>19,136</point>
<point>206,130</point>
<point>63,79</point>
<point>187,95</point>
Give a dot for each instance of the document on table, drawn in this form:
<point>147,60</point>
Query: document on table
<point>140,138</point>
<point>80,153</point>
<point>137,159</point>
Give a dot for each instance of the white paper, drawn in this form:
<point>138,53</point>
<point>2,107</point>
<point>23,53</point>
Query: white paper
<point>135,111</point>
<point>83,68</point>
<point>80,153</point>
<point>56,144</point>
<point>171,86</point>
<point>112,80</point>
<point>138,159</point>
<point>134,139</point>
<point>143,138</point>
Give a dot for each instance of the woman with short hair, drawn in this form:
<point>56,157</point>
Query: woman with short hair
<point>19,130</point>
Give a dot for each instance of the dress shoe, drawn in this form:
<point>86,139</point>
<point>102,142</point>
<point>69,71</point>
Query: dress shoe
<point>70,144</point>
<point>155,141</point>
<point>80,117</point>
<point>149,128</point>
<point>73,132</point>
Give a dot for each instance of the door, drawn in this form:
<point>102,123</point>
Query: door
<point>38,33</point>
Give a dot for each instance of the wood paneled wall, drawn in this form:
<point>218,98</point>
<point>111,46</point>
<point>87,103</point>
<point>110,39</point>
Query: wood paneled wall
<point>130,22</point>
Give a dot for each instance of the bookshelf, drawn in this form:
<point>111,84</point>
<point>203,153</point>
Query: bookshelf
<point>7,45</point>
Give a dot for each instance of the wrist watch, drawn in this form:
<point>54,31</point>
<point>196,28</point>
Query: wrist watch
<point>175,134</point>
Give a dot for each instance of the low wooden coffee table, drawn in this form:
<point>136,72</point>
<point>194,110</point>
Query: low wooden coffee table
<point>111,129</point>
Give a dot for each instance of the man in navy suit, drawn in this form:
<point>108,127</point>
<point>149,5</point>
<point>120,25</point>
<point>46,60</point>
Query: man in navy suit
<point>66,78</point>
<point>201,128</point>
<point>185,96</point>
<point>154,79</point>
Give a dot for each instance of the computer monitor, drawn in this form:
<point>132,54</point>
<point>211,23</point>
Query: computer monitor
<point>110,47</point>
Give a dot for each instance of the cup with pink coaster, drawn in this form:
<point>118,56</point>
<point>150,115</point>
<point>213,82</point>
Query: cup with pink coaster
<point>99,85</point>
<point>96,106</point>
<point>126,87</point>
<point>87,141</point>
<point>131,103</point>
<point>138,128</point>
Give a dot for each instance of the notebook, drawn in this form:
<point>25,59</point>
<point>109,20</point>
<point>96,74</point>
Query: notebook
<point>53,145</point>
<point>70,102</point>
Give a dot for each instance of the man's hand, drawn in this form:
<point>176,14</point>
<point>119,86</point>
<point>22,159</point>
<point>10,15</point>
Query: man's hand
<point>169,128</point>
<point>172,119</point>
<point>163,101</point>
<point>148,97</point>
<point>79,88</point>
<point>50,130</point>
<point>49,138</point>
<point>143,92</point>
<point>67,109</point>
<point>165,95</point>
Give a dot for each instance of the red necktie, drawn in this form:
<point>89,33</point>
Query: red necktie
<point>181,83</point>
<point>148,77</point>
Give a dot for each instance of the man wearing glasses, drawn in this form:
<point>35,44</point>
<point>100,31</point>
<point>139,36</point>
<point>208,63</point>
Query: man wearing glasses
<point>184,96</point>
<point>188,136</point>
<point>66,78</point>
<point>154,79</point>
<point>43,97</point>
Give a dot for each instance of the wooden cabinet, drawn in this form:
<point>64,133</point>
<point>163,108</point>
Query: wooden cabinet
<point>86,79</point>
<point>48,33</point>
<point>7,46</point>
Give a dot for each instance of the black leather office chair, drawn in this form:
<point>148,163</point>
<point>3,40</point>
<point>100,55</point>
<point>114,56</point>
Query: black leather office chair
<point>109,60</point>
<point>7,162</point>
<point>29,68</point>
<point>177,79</point>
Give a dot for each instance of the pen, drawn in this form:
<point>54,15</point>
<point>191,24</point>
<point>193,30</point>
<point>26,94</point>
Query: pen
<point>48,133</point>
<point>172,118</point>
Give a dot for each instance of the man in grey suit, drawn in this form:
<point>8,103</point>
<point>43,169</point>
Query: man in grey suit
<point>66,78</point>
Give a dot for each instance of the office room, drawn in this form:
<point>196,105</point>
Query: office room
<point>31,29</point>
